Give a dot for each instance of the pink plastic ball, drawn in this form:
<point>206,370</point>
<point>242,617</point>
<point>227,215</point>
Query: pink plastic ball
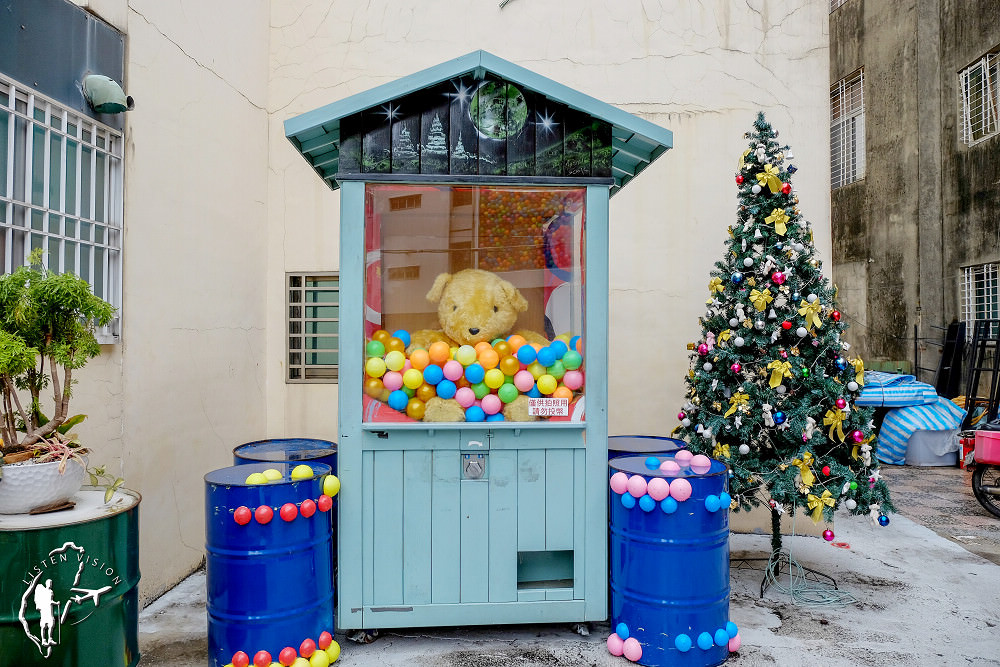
<point>670,467</point>
<point>841,403</point>
<point>616,645</point>
<point>491,404</point>
<point>828,535</point>
<point>392,380</point>
<point>453,370</point>
<point>735,643</point>
<point>619,483</point>
<point>683,457</point>
<point>407,365</point>
<point>524,381</point>
<point>680,490</point>
<point>632,650</point>
<point>465,397</point>
<point>699,461</point>
<point>572,379</point>
<point>637,486</point>
<point>658,488</point>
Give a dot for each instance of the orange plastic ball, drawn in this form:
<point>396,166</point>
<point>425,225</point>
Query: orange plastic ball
<point>509,365</point>
<point>382,336</point>
<point>374,387</point>
<point>482,345</point>
<point>488,358</point>
<point>439,352</point>
<point>420,358</point>
<point>516,341</point>
<point>395,344</point>
<point>415,408</point>
<point>426,392</point>
<point>562,391</point>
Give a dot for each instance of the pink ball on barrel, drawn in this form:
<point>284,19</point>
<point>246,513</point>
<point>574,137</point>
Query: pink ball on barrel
<point>700,463</point>
<point>658,488</point>
<point>683,457</point>
<point>491,404</point>
<point>632,649</point>
<point>680,490</point>
<point>735,643</point>
<point>637,486</point>
<point>670,467</point>
<point>619,483</point>
<point>453,370</point>
<point>616,646</point>
<point>465,397</point>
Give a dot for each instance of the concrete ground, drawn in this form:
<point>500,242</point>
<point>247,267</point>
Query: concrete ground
<point>925,592</point>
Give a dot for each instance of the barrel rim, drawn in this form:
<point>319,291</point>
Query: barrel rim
<point>248,468</point>
<point>100,513</point>
<point>685,472</point>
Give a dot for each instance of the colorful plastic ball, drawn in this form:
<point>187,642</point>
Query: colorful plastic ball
<point>735,643</point>
<point>622,631</point>
<point>536,369</point>
<point>439,352</point>
<point>637,486</point>
<point>413,378</point>
<point>242,515</point>
<point>546,356</point>
<point>301,471</point>
<point>502,348</point>
<point>731,629</point>
<point>573,380</point>
<point>563,392</point>
<point>415,409</point>
<point>319,659</point>
<point>509,365</point>
<point>240,659</point>
<point>475,373</point>
<point>683,457</point>
<point>547,384</point>
<point>398,400</point>
<point>263,514</point>
<point>494,378</point>
<point>374,348</point>
<point>682,643</point>
<point>508,393</point>
<point>632,649</point>
<point>498,417</point>
<point>721,637</point>
<point>453,370</point>
<point>712,503</point>
<point>680,489</point>
<point>670,467</point>
<point>491,404</point>
<point>646,503</point>
<point>883,520</point>
<point>668,505</point>
<point>402,335</point>
<point>262,659</point>
<point>333,651</point>
<point>658,488</point>
<point>375,367</point>
<point>652,462</point>
<point>572,360</point>
<point>779,417</point>
<point>828,535</point>
<point>465,355</point>
<point>392,380</point>
<point>534,393</point>
<point>395,360</point>
<point>446,389</point>
<point>526,354</point>
<point>516,341</point>
<point>307,508</point>
<point>307,648</point>
<point>373,387</point>
<point>426,392</point>
<point>324,503</point>
<point>705,641</point>
<point>255,478</point>
<point>475,413</point>
<point>488,358</point>
<point>616,645</point>
<point>556,370</point>
<point>701,461</point>
<point>465,397</point>
<point>628,501</point>
<point>524,381</point>
<point>480,390</point>
<point>288,512</point>
<point>619,482</point>
<point>725,500</point>
<point>287,656</point>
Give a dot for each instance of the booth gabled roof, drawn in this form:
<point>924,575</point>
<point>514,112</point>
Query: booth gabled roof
<point>635,142</point>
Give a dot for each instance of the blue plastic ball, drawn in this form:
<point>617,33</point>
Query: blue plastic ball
<point>725,500</point>
<point>883,520</point>
<point>534,393</point>
<point>525,354</point>
<point>779,417</point>
<point>682,643</point>
<point>475,373</point>
<point>546,356</point>
<point>622,630</point>
<point>646,503</point>
<point>652,463</point>
<point>668,505</point>
<point>705,641</point>
<point>474,413</point>
<point>736,278</point>
<point>498,417</point>
<point>721,637</point>
<point>731,629</point>
<point>628,501</point>
<point>398,400</point>
<point>712,503</point>
<point>433,374</point>
<point>403,335</point>
<point>446,389</point>
<point>573,342</point>
<point>559,348</point>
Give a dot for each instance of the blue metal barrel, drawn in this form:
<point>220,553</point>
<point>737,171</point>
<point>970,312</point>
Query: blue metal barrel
<point>270,584</point>
<point>276,450</point>
<point>624,445</point>
<point>670,561</point>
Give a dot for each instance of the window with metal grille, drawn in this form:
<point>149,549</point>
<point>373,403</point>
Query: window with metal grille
<point>61,191</point>
<point>836,3</point>
<point>847,130</point>
<point>980,294</point>
<point>313,327</point>
<point>978,103</point>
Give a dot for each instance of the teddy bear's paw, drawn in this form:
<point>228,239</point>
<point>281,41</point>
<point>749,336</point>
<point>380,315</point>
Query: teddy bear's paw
<point>444,410</point>
<point>517,410</point>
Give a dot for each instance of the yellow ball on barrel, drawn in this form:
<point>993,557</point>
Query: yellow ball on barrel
<point>272,474</point>
<point>331,485</point>
<point>302,472</point>
<point>300,662</point>
<point>319,659</point>
<point>333,651</point>
<point>256,478</point>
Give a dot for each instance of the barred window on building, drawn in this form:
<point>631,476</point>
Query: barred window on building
<point>61,191</point>
<point>847,130</point>
<point>978,103</point>
<point>836,3</point>
<point>980,294</point>
<point>313,327</point>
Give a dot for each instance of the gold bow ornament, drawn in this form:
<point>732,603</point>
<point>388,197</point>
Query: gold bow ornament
<point>760,298</point>
<point>810,311</point>
<point>724,335</point>
<point>721,451</point>
<point>835,420</point>
<point>743,159</point>
<point>859,370</point>
<point>735,401</point>
<point>779,369</point>
<point>778,218</point>
<point>816,504</point>
<point>769,177</point>
<point>805,472</point>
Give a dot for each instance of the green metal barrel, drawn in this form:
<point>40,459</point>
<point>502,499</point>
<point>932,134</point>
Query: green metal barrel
<point>68,584</point>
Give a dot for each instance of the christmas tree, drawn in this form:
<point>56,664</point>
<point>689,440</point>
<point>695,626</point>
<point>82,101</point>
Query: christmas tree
<point>771,387</point>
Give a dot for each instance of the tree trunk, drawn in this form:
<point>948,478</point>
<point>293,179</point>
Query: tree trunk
<point>775,531</point>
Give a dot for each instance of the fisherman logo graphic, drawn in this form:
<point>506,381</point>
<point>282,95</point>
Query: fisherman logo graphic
<point>64,587</point>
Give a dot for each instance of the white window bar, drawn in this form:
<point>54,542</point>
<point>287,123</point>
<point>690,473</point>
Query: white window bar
<point>836,3</point>
<point>61,190</point>
<point>978,106</point>
<point>980,294</point>
<point>313,308</point>
<point>847,130</point>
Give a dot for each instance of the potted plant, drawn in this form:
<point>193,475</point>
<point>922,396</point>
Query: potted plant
<point>47,331</point>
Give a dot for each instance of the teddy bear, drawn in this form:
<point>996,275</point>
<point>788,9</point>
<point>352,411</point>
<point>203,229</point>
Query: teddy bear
<point>473,306</point>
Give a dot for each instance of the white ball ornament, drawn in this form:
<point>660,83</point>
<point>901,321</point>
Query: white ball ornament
<point>685,422</point>
<point>759,325</point>
<point>812,298</point>
<point>707,366</point>
<point>756,189</point>
<point>744,449</point>
<point>850,504</point>
<point>738,341</point>
<point>733,322</point>
<point>852,386</point>
<point>780,389</point>
<point>748,261</point>
<point>798,247</point>
<point>801,332</point>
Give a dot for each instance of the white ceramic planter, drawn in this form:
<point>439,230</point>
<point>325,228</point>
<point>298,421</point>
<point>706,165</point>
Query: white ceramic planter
<point>25,486</point>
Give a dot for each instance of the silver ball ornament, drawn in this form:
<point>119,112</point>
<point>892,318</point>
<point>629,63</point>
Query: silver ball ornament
<point>748,261</point>
<point>733,322</point>
<point>738,341</point>
<point>801,332</point>
<point>707,366</point>
<point>744,449</point>
<point>780,389</point>
<point>756,189</point>
<point>850,504</point>
<point>811,298</point>
<point>852,386</point>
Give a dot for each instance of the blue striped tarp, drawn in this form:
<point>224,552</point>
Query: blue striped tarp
<point>899,425</point>
<point>894,391</point>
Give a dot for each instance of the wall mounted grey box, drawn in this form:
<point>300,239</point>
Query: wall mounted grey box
<point>105,95</point>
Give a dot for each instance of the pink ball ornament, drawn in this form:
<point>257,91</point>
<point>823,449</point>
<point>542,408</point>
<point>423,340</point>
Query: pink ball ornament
<point>680,416</point>
<point>453,370</point>
<point>392,380</point>
<point>573,380</point>
<point>683,457</point>
<point>703,349</point>
<point>828,535</point>
<point>465,397</point>
<point>658,488</point>
<point>700,463</point>
<point>637,486</point>
<point>616,645</point>
<point>841,403</point>
<point>735,643</point>
<point>680,490</point>
<point>736,368</point>
<point>670,467</point>
<point>858,436</point>
<point>619,483</point>
<point>778,278</point>
<point>632,649</point>
<point>491,404</point>
<point>524,381</point>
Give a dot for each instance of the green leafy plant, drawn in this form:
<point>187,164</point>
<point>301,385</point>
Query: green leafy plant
<point>99,476</point>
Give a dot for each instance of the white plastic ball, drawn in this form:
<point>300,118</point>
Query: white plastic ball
<point>733,322</point>
<point>756,189</point>
<point>801,332</point>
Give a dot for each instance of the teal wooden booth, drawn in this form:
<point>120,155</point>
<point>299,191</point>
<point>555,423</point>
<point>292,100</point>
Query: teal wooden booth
<point>471,497</point>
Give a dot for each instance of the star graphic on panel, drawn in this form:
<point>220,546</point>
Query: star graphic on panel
<point>546,121</point>
<point>391,112</point>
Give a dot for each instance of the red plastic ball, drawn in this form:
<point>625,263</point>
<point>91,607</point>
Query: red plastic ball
<point>786,188</point>
<point>325,639</point>
<point>262,659</point>
<point>828,535</point>
<point>287,656</point>
<point>240,659</point>
<point>835,315</point>
<point>786,325</point>
<point>308,508</point>
<point>739,179</point>
<point>826,470</point>
<point>307,648</point>
<point>263,514</point>
<point>242,515</point>
<point>288,512</point>
<point>325,503</point>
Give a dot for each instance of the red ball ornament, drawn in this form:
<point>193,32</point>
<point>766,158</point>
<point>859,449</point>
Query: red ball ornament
<point>325,639</point>
<point>242,515</point>
<point>786,325</point>
<point>703,349</point>
<point>778,278</point>
<point>826,471</point>
<point>287,656</point>
<point>828,535</point>
<point>841,403</point>
<point>263,514</point>
<point>262,659</point>
<point>786,188</point>
<point>681,416</point>
<point>736,368</point>
<point>835,315</point>
<point>308,508</point>
<point>858,436</point>
<point>325,503</point>
<point>240,659</point>
<point>288,512</point>
<point>739,179</point>
<point>307,648</point>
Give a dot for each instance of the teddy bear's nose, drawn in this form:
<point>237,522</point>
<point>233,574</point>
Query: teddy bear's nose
<point>473,331</point>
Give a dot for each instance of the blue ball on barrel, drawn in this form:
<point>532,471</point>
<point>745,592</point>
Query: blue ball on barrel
<point>683,643</point>
<point>622,630</point>
<point>721,637</point>
<point>705,641</point>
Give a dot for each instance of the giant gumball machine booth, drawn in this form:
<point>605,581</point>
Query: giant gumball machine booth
<point>473,335</point>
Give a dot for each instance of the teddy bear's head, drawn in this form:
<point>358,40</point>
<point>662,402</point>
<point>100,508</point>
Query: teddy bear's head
<point>475,305</point>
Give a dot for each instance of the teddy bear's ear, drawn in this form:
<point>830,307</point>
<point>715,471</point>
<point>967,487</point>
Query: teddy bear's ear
<point>513,296</point>
<point>438,288</point>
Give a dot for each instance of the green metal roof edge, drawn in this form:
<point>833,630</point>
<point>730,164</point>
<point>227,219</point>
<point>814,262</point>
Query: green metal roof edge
<point>468,63</point>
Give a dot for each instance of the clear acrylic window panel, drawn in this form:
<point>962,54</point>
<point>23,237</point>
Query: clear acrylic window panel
<point>847,130</point>
<point>61,191</point>
<point>979,106</point>
<point>530,238</point>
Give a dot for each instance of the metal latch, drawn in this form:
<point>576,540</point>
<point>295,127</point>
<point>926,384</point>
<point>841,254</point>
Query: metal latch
<point>473,466</point>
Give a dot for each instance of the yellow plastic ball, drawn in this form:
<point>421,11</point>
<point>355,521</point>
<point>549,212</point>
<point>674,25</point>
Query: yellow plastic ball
<point>303,471</point>
<point>331,485</point>
<point>374,367</point>
<point>415,409</point>
<point>395,360</point>
<point>333,651</point>
<point>547,384</point>
<point>319,659</point>
<point>426,392</point>
<point>272,474</point>
<point>382,336</point>
<point>256,478</point>
<point>510,365</point>
<point>300,662</point>
<point>465,355</point>
<point>536,370</point>
<point>494,378</point>
<point>413,378</point>
<point>396,344</point>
